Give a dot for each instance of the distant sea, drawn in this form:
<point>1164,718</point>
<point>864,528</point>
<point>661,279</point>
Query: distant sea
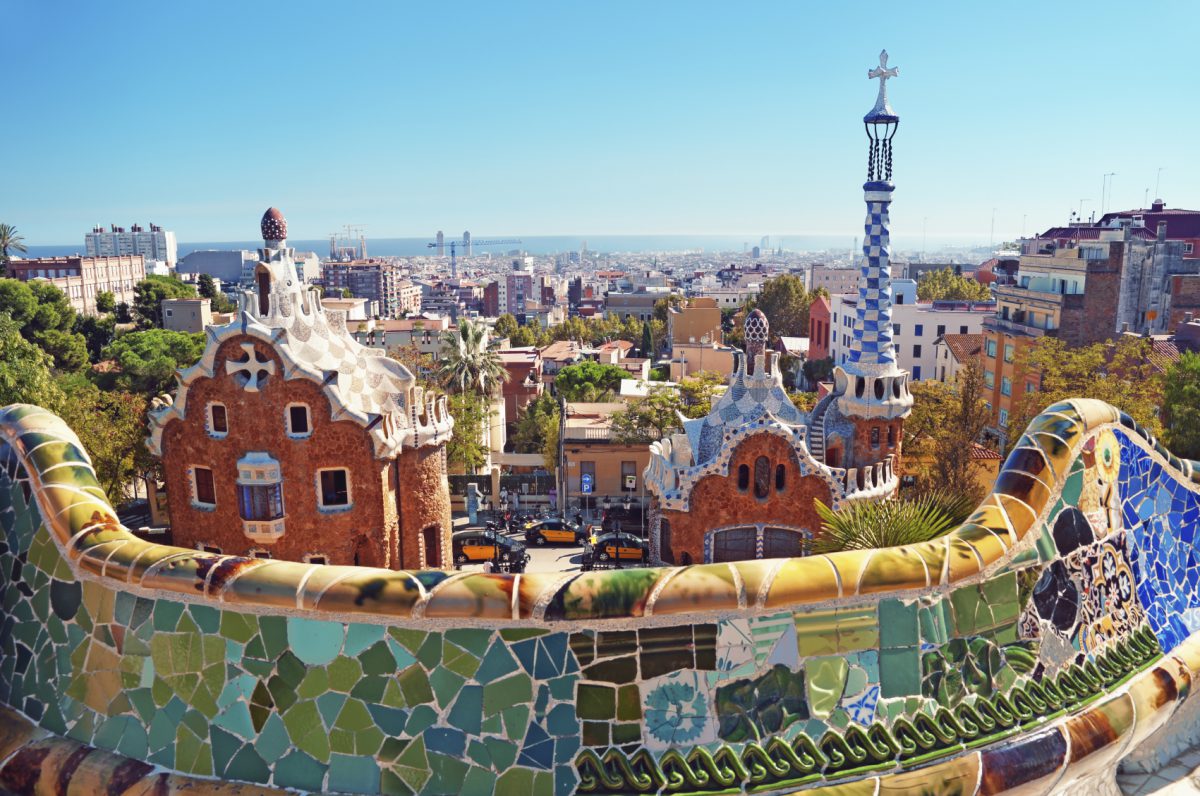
<point>552,244</point>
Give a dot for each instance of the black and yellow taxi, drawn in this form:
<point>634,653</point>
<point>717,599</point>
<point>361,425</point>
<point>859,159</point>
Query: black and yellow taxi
<point>474,546</point>
<point>554,530</point>
<point>614,549</point>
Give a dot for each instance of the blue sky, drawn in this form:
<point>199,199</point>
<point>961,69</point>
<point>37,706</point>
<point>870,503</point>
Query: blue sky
<point>588,118</point>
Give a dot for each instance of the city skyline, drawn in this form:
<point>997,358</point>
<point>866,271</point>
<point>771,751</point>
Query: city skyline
<point>550,120</point>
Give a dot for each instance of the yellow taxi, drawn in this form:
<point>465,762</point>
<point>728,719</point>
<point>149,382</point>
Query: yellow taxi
<point>482,545</point>
<point>614,548</point>
<point>554,531</point>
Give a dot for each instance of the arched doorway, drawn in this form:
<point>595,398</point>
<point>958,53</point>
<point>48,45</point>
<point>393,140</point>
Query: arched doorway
<point>431,536</point>
<point>263,278</point>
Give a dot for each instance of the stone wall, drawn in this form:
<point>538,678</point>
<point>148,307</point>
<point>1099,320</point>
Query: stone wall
<point>424,497</point>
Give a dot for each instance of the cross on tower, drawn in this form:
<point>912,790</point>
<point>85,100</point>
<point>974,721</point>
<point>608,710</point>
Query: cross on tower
<point>252,368</point>
<point>883,73</point>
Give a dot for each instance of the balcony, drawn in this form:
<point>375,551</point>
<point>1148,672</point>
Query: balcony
<point>1016,326</point>
<point>264,531</point>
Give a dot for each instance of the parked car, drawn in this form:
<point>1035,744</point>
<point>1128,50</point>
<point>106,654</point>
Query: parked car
<point>554,530</point>
<point>614,549</point>
<point>484,545</point>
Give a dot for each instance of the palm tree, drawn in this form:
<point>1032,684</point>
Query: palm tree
<point>867,526</point>
<point>10,242</point>
<point>469,363</point>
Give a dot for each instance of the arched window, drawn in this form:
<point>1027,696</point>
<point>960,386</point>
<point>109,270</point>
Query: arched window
<point>891,436</point>
<point>264,291</point>
<point>432,538</point>
<point>743,477</point>
<point>780,477</point>
<point>762,477</point>
<point>874,436</point>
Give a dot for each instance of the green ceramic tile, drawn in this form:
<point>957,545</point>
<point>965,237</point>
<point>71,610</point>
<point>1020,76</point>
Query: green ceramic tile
<point>459,660</point>
<point>473,640</point>
<point>503,752</point>
<point>377,659</point>
<point>627,733</point>
<point>899,672</point>
<point>825,680</point>
<point>412,766</point>
<point>516,721</point>
<point>410,639</point>
<point>596,702</point>
<point>515,780</point>
<point>415,685</point>
<point>316,642</point>
<point>430,653</point>
<point>360,637</point>
<point>629,703</point>
<point>595,733</point>
<point>298,770</point>
<point>898,624</point>
<point>446,685</point>
<point>514,690</point>
<point>496,663</point>
<point>522,633</point>
<point>857,628</point>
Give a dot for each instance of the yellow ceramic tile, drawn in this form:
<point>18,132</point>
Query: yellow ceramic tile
<point>754,575</point>
<point>893,569</point>
<point>371,591</point>
<point>179,573</point>
<point>862,787</point>
<point>962,560</point>
<point>1020,515</point>
<point>708,587</point>
<point>991,516</point>
<point>252,581</point>
<point>16,731</point>
<point>533,587</point>
<point>933,553</point>
<point>475,596</point>
<point>1156,694</point>
<point>802,580</point>
<point>850,564</point>
<point>955,777</point>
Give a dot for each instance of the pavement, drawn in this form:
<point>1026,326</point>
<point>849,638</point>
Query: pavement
<point>1180,776</point>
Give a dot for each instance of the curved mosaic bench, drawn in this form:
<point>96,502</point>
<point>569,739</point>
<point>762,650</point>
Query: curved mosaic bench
<point>1023,649</point>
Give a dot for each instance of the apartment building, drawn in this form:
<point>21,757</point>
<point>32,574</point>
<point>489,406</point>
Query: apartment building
<point>595,468</point>
<point>155,243</point>
<point>83,278</point>
<point>697,320</point>
<point>835,280</point>
<point>378,281</point>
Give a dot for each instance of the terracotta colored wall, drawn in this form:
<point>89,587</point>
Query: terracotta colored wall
<point>717,502</point>
<point>424,501</point>
<point>863,453</point>
<point>257,423</point>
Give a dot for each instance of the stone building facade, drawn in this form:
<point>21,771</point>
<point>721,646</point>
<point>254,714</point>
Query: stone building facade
<point>290,440</point>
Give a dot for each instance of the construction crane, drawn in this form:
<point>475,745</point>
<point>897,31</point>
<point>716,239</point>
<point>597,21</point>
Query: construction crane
<point>454,250</point>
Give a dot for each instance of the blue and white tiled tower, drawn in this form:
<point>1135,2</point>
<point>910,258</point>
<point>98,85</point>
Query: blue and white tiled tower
<point>869,385</point>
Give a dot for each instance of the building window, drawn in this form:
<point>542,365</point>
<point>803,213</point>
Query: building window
<point>208,548</point>
<point>735,544</point>
<point>204,493</point>
<point>1003,418</point>
<point>258,552</point>
<point>991,348</point>
<point>762,477</point>
<point>1030,387</point>
<point>298,424</point>
<point>916,372</point>
<point>431,538</point>
<point>941,330</point>
<point>316,558</point>
<point>743,477</point>
<point>916,351</point>
<point>1009,351</point>
<point>260,501</point>
<point>784,543</point>
<point>1005,385</point>
<point>628,476</point>
<point>920,330</point>
<point>891,436</point>
<point>780,477</point>
<point>218,420</point>
<point>1187,248</point>
<point>875,436</point>
<point>989,378</point>
<point>896,329</point>
<point>962,330</point>
<point>333,488</point>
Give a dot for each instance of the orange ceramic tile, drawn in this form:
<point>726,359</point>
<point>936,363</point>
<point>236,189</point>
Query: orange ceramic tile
<point>477,596</point>
<point>706,587</point>
<point>1097,737</point>
<point>1156,694</point>
<point>1020,516</point>
<point>16,731</point>
<point>802,580</point>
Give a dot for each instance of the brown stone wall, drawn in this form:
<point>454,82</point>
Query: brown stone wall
<point>863,454</point>
<point>257,423</point>
<point>1092,317</point>
<point>716,501</point>
<point>424,502</point>
<point>1185,298</point>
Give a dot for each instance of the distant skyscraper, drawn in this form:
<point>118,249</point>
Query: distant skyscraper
<point>441,244</point>
<point>155,243</point>
<point>765,243</point>
<point>467,244</point>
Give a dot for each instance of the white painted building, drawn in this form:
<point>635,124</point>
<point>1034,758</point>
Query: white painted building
<point>915,326</point>
<point>155,243</point>
<point>731,297</point>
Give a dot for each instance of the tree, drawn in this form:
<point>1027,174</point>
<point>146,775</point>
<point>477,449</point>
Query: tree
<point>10,242</point>
<point>785,302</point>
<point>537,429</point>
<point>46,318</point>
<point>25,370</point>
<point>347,293</point>
<point>97,331</point>
<point>818,370</point>
<point>589,381</point>
<point>647,419</point>
<point>469,363</point>
<point>647,341</point>
<point>1120,373</point>
<point>1181,406</point>
<point>523,337</point>
<point>663,305</point>
<point>890,523</point>
<point>466,450</point>
<point>506,324</point>
<point>945,284</point>
<point>206,286</point>
<point>111,424</point>
<point>945,424</point>
<point>147,360</point>
<point>148,296</point>
<point>123,313</point>
<point>106,302</point>
<point>697,392</point>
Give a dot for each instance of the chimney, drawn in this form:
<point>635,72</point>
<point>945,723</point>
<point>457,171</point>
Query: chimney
<point>1158,206</point>
<point>1162,231</point>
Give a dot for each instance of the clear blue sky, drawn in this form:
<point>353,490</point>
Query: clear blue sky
<point>585,118</point>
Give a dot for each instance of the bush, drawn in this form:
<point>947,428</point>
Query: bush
<point>868,526</point>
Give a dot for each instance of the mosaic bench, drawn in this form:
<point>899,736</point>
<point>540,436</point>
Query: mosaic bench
<point>1031,650</point>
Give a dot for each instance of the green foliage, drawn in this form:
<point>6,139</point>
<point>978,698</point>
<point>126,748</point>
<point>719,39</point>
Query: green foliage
<point>25,370</point>
<point>469,363</point>
<point>804,401</point>
<point>123,313</point>
<point>467,451</point>
<point>660,412</point>
<point>696,393</point>
<point>347,293</point>
<point>111,424</point>
<point>589,381</point>
<point>946,420</point>
<point>206,286</point>
<point>523,337</point>
<point>106,302</point>
<point>659,374</point>
<point>506,324</point>
<point>945,284</point>
<point>647,347</point>
<point>818,370</point>
<point>147,360</point>
<point>872,525</point>
<point>1181,406</point>
<point>785,302</point>
<point>663,305</point>
<point>537,430</point>
<point>97,331</point>
<point>10,242</point>
<point>148,297</point>
<point>46,318</point>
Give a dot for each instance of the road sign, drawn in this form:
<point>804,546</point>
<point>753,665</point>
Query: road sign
<point>585,483</point>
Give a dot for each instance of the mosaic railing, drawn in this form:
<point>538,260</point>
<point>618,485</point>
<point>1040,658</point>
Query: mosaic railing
<point>1024,648</point>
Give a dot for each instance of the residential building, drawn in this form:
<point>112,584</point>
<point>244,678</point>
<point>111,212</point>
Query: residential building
<point>1182,225</point>
<point>289,440</point>
<point>524,367</point>
<point>424,334</point>
<point>688,359</point>
<point>83,278</point>
<point>697,320</point>
<point>352,309</point>
<point>915,326</point>
<point>378,281</point>
<point>519,288</point>
<point>187,314</point>
<point>639,305</point>
<point>155,243</point>
<point>834,280</point>
<point>953,352</point>
<point>820,320</point>
<point>559,355</point>
<point>228,265</point>
<point>731,298</point>
<point>596,469</point>
<point>491,301</point>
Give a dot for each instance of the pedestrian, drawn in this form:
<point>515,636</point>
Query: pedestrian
<point>488,566</point>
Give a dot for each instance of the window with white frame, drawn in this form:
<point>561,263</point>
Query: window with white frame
<point>218,420</point>
<point>333,488</point>
<point>316,558</point>
<point>258,552</point>
<point>204,492</point>
<point>299,424</point>
<point>1003,418</point>
<point>208,548</point>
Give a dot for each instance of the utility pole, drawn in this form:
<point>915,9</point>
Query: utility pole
<point>992,234</point>
<point>1157,180</point>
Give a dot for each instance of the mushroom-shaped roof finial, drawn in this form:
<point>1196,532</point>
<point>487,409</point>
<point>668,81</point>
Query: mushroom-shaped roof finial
<point>274,225</point>
<point>757,332</point>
